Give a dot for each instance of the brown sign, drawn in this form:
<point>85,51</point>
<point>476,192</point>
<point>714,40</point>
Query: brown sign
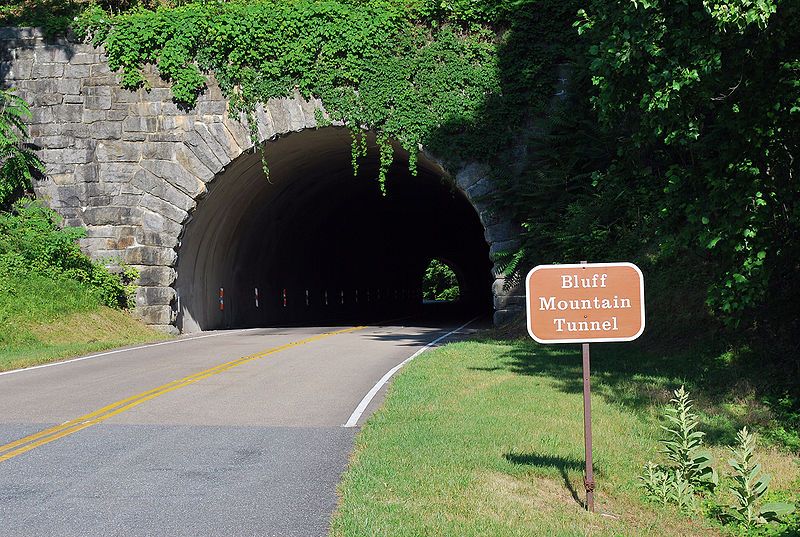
<point>585,303</point>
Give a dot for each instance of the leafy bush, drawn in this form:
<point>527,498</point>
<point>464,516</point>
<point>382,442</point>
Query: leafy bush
<point>31,241</point>
<point>439,282</point>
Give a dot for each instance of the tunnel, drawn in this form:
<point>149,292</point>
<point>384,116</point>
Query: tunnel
<point>310,242</point>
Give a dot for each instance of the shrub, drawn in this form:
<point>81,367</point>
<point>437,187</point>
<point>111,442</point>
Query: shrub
<point>31,241</point>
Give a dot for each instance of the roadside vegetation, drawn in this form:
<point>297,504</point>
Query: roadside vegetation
<point>55,302</point>
<point>485,437</point>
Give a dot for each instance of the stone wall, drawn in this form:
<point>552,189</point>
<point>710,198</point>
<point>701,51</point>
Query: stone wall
<point>131,166</point>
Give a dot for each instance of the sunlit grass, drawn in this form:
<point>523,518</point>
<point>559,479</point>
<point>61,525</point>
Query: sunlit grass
<point>486,438</point>
<point>43,320</point>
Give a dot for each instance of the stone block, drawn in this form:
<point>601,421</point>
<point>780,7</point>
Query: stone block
<point>18,50</point>
<point>68,113</point>
<point>154,315</point>
<point>155,276</point>
<point>134,136</point>
<point>150,255</point>
<point>508,302</point>
<point>47,99</point>
<point>104,232</point>
<point>158,151</point>
<point>164,208</point>
<point>96,216</point>
<point>151,238</point>
<point>84,58</point>
<point>480,189</point>
<point>66,156</point>
<point>501,232</point>
<point>116,115</point>
<point>117,151</point>
<point>78,72</point>
<point>47,70</point>
<point>175,175</point>
<point>203,152</point>
<point>227,140</point>
<point>193,165</point>
<point>211,108</point>
<point>69,86</point>
<point>145,181</point>
<point>97,102</point>
<point>239,132</point>
<point>139,124</point>
<point>154,296</point>
<point>20,32</point>
<point>99,69</point>
<point>169,108</point>
<point>73,99</point>
<point>97,91</point>
<point>41,114</point>
<point>90,116</point>
<point>166,328</point>
<point>159,137</point>
<point>121,95</point>
<point>294,113</point>
<point>49,55</point>
<point>266,129</point>
<point>470,174</point>
<point>146,108</point>
<point>152,221</point>
<point>280,120</point>
<point>117,172</point>
<point>54,142</point>
<point>86,173</point>
<point>69,195</point>
<point>221,153</point>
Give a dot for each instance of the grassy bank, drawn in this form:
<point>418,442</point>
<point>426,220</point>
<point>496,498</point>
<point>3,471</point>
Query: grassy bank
<point>485,438</point>
<point>42,320</point>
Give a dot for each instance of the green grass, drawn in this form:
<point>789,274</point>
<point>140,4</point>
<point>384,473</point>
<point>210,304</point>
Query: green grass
<point>486,438</point>
<point>43,320</point>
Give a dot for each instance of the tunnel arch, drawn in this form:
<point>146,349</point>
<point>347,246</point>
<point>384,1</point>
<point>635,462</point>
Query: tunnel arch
<point>131,167</point>
<point>314,243</point>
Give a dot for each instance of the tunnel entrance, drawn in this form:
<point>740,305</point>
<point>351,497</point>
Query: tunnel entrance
<point>315,244</point>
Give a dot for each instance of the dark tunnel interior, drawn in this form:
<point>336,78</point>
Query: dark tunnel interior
<point>321,245</point>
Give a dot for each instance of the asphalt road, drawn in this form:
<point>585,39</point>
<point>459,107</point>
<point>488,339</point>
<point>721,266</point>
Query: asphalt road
<point>166,440</point>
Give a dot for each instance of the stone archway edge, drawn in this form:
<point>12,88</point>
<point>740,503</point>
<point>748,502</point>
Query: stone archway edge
<point>131,166</point>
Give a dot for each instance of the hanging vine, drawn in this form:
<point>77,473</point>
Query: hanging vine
<point>381,66</point>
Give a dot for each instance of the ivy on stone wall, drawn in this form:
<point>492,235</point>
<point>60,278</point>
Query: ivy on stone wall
<point>406,72</point>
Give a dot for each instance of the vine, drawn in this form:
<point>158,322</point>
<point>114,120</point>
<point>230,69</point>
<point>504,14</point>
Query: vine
<point>402,72</point>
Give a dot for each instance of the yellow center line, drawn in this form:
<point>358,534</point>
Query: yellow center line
<point>18,447</point>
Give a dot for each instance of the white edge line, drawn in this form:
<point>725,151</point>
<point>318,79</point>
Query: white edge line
<point>64,362</point>
<point>362,406</point>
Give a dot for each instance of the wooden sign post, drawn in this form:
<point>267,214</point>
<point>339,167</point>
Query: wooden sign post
<point>585,303</point>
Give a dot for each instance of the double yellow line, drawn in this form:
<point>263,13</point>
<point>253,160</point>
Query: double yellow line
<point>18,447</point>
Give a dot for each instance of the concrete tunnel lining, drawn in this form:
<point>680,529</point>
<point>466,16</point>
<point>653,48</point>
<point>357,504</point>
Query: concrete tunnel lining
<point>281,232</point>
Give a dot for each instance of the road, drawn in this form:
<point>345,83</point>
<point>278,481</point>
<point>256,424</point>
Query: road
<point>220,434</point>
